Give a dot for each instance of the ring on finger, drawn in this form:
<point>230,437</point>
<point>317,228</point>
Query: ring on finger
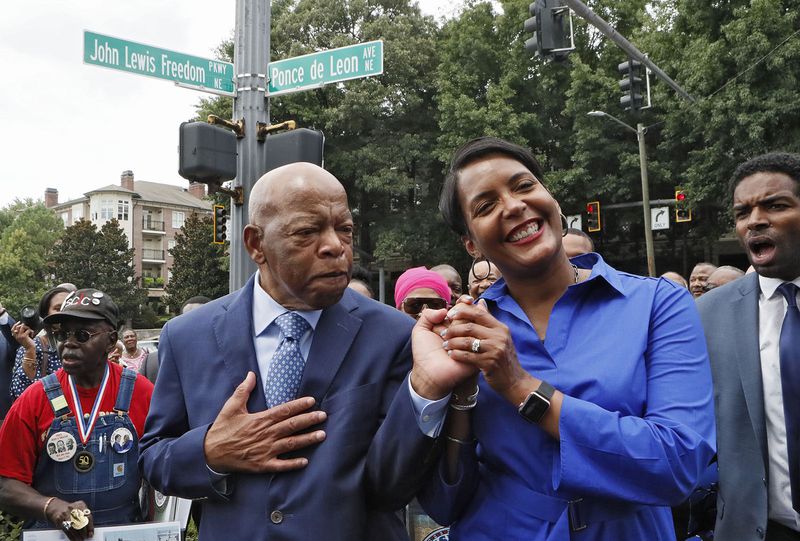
<point>476,345</point>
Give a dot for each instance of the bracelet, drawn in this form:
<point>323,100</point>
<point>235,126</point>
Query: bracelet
<point>29,359</point>
<point>463,407</point>
<point>461,442</point>
<point>470,398</point>
<point>46,504</point>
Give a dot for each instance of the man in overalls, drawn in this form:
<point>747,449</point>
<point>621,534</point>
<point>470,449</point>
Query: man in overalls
<point>58,467</point>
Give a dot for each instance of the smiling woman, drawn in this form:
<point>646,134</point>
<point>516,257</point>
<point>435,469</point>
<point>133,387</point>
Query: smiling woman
<point>606,373</point>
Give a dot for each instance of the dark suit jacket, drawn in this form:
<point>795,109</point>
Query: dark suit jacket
<point>730,318</point>
<point>374,456</point>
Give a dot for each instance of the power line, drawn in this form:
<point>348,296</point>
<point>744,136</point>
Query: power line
<point>756,63</point>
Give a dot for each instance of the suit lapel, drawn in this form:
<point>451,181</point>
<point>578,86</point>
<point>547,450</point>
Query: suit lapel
<point>233,329</point>
<point>744,308</point>
<point>335,332</point>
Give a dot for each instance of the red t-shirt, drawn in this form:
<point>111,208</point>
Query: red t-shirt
<point>24,430</point>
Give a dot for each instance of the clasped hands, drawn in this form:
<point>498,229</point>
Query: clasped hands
<point>451,347</point>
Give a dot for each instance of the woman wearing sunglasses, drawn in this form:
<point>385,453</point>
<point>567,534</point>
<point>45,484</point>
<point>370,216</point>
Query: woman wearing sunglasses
<point>420,288</point>
<point>37,355</point>
<point>590,411</point>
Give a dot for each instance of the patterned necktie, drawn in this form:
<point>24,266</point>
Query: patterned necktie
<point>790,383</point>
<point>286,370</point>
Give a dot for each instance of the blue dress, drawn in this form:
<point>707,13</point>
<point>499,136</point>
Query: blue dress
<point>636,426</point>
<point>20,380</point>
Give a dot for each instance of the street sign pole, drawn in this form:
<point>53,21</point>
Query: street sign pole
<point>251,60</point>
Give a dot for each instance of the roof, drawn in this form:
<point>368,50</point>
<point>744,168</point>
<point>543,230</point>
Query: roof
<point>168,194</point>
<point>147,192</point>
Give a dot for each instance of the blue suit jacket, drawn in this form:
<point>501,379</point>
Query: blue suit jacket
<point>730,318</point>
<point>369,466</point>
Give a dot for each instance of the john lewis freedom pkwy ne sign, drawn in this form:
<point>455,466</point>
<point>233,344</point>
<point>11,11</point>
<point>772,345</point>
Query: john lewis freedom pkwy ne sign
<point>204,74</point>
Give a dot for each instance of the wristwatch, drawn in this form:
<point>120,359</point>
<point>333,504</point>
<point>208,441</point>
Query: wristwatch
<point>537,403</point>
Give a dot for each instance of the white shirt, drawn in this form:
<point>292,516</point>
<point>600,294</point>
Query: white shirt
<point>771,311</point>
<point>267,335</point>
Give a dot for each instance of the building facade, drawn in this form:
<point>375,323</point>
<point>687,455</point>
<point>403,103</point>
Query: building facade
<point>150,213</point>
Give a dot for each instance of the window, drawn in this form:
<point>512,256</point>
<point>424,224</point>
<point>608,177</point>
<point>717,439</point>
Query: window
<point>65,218</point>
<point>122,209</point>
<point>77,213</point>
<point>170,244</point>
<point>177,219</point>
<point>106,209</point>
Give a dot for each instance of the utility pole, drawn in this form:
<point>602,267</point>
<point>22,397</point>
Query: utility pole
<point>251,62</point>
<point>648,232</point>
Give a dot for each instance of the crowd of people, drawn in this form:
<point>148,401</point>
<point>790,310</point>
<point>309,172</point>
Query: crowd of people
<point>549,397</point>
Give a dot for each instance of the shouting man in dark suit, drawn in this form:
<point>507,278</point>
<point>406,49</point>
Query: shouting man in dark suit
<point>753,331</point>
<point>338,461</point>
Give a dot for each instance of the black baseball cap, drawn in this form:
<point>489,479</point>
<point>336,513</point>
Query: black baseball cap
<point>87,304</point>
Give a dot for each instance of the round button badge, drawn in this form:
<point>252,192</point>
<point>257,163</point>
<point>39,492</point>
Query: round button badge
<point>61,446</point>
<point>121,440</point>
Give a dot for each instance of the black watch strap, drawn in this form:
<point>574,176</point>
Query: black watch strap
<point>535,406</point>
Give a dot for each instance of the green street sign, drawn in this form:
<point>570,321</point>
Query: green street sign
<point>203,74</point>
<point>325,67</point>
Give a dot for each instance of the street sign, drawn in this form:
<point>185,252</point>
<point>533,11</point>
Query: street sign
<point>214,76</point>
<point>659,218</point>
<point>325,67</point>
<point>575,221</point>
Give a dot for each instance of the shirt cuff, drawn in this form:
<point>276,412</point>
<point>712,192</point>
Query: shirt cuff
<point>430,413</point>
<point>4,318</point>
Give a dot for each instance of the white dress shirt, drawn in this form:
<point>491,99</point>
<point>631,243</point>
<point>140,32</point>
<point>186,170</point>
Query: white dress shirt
<point>771,311</point>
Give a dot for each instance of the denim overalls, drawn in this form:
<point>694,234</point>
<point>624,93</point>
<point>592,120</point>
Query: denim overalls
<point>110,488</point>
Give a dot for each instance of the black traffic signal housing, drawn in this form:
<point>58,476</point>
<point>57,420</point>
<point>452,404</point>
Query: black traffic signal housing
<point>207,153</point>
<point>593,223</point>
<point>298,145</point>
<point>683,213</point>
<point>220,223</point>
<point>635,85</point>
<point>551,26</point>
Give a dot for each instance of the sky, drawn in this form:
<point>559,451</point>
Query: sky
<point>76,127</point>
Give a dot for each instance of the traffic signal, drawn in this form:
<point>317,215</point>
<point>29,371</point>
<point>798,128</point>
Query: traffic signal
<point>682,211</point>
<point>220,224</point>
<point>207,153</point>
<point>298,145</point>
<point>551,26</point>
<point>635,85</point>
<point>593,224</point>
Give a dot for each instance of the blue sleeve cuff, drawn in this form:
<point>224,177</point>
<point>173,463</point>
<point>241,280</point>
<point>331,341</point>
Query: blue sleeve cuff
<point>430,414</point>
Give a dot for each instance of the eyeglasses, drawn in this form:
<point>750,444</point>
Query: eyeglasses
<point>414,305</point>
<point>81,335</point>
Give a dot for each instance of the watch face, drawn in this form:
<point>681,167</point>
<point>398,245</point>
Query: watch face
<point>534,407</point>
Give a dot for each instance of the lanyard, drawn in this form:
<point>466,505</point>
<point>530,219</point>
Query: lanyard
<point>85,426</point>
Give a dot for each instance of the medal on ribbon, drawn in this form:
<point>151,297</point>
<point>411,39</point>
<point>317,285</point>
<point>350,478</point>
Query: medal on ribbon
<point>84,460</point>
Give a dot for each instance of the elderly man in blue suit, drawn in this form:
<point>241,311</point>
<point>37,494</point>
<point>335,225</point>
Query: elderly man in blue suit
<point>340,461</point>
<point>753,331</point>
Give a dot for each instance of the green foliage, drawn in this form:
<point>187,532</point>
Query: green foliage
<point>101,260</point>
<point>199,266</point>
<point>389,138</point>
<point>10,527</point>
<point>28,232</point>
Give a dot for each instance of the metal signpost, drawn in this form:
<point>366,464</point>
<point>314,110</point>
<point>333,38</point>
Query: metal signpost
<point>325,67</point>
<point>185,70</point>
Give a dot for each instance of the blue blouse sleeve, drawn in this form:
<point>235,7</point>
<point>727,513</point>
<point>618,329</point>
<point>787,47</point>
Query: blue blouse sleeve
<point>20,380</point>
<point>656,458</point>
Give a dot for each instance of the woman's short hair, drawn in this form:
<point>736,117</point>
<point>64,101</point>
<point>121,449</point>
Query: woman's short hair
<point>47,298</point>
<point>449,204</point>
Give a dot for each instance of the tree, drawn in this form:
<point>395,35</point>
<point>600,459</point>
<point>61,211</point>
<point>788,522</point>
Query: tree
<point>101,260</point>
<point>29,232</point>
<point>199,266</point>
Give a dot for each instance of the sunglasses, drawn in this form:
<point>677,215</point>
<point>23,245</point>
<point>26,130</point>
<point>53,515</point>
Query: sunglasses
<point>81,335</point>
<point>414,305</point>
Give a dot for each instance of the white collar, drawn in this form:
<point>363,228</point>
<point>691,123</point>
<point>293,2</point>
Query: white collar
<point>769,286</point>
<point>266,310</point>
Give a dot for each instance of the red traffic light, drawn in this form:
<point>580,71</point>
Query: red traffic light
<point>680,196</point>
<point>591,208</point>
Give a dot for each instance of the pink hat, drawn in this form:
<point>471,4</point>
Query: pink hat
<point>420,277</point>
